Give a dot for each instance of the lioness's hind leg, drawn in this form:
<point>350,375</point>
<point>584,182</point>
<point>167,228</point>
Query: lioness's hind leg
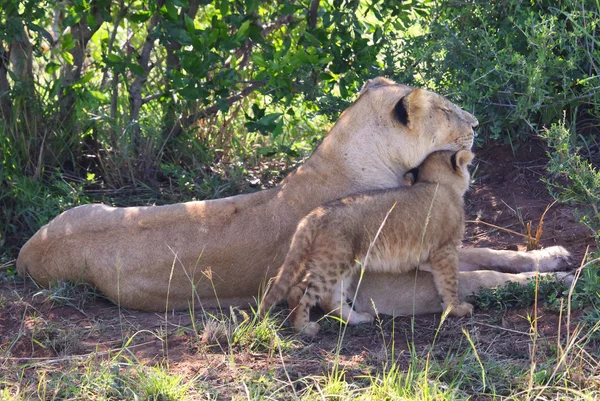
<point>551,259</point>
<point>444,268</point>
<point>337,304</point>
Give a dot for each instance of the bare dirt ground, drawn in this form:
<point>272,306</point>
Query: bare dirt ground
<point>37,328</point>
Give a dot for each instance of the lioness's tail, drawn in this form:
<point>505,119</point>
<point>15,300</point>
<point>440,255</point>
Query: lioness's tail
<point>289,273</point>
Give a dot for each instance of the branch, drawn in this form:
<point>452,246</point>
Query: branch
<point>82,33</point>
<point>312,14</point>
<point>21,63</point>
<point>114,98</point>
<point>152,97</point>
<point>21,57</point>
<point>113,37</point>
<point>5,103</point>
<point>186,121</point>
<point>135,91</point>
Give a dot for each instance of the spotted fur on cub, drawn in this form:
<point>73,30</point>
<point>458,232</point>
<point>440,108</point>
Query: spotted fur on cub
<point>332,242</point>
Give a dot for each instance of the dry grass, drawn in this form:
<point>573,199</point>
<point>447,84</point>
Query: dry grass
<point>527,354</point>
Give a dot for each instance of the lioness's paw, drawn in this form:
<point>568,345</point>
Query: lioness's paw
<point>461,309</point>
<point>360,318</point>
<point>566,278</point>
<point>553,258</point>
<point>310,329</point>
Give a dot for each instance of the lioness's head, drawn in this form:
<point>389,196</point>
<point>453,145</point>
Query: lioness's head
<point>422,113</point>
<point>391,128</point>
<point>446,167</point>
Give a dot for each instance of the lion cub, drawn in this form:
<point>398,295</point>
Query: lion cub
<point>421,226</point>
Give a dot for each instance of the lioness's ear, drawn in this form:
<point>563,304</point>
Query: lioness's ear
<point>407,108</point>
<point>461,159</point>
<point>375,82</point>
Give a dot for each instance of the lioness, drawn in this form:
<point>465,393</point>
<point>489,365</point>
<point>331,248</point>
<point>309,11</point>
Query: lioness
<point>334,240</point>
<point>227,248</point>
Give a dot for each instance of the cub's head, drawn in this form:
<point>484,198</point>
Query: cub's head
<point>446,167</point>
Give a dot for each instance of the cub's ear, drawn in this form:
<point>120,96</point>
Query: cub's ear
<point>461,159</point>
<point>408,108</point>
<point>410,177</point>
<point>374,83</point>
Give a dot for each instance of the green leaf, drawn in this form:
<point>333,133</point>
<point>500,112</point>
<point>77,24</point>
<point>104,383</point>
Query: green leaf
<point>168,10</point>
<point>258,112</point>
<point>136,69</point>
<point>68,57</point>
<point>189,24</point>
<point>312,39</point>
<point>103,98</point>
<point>87,77</point>
<point>52,67</point>
<point>343,87</point>
<point>140,17</point>
<point>269,119</point>
<point>278,128</point>
<point>67,42</point>
<point>251,5</point>
<point>91,20</point>
<point>223,106</point>
<point>243,29</point>
<point>114,58</point>
<point>265,125</point>
<point>266,151</point>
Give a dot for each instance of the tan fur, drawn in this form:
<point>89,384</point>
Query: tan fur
<point>333,241</point>
<point>227,248</point>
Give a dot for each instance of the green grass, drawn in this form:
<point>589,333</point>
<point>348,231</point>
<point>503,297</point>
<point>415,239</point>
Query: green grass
<point>514,294</point>
<point>563,371</point>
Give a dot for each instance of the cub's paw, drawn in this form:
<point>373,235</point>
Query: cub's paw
<point>360,318</point>
<point>295,295</point>
<point>461,309</point>
<point>310,329</point>
<point>553,258</point>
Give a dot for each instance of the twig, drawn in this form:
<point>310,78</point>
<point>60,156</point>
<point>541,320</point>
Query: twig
<point>501,328</point>
<point>46,360</point>
<point>495,226</point>
<point>152,97</point>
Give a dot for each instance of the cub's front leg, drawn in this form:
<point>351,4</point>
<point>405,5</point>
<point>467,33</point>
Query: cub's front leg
<point>444,268</point>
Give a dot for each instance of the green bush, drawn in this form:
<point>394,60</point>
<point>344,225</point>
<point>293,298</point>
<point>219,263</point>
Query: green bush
<point>575,180</point>
<point>153,102</point>
<point>27,204</point>
<point>516,65</point>
<point>170,100</point>
<point>573,177</point>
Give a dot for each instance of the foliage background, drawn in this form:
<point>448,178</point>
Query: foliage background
<point>142,102</point>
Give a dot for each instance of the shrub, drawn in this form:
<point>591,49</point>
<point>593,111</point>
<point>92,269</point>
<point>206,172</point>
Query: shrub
<point>516,65</point>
